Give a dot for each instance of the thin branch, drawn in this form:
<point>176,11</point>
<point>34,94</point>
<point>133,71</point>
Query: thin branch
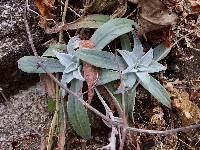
<point>74,12</point>
<point>29,9</point>
<point>63,19</point>
<point>165,132</point>
<point>114,132</point>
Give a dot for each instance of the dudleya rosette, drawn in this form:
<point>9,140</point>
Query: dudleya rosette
<point>138,63</point>
<point>70,61</point>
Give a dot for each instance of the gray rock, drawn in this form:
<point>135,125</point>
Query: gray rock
<point>14,44</point>
<point>24,118</point>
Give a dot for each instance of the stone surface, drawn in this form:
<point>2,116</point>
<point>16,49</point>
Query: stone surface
<point>24,121</point>
<point>14,44</point>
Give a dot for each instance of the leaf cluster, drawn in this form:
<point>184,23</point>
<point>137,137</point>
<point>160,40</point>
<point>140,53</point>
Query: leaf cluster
<point>129,66</point>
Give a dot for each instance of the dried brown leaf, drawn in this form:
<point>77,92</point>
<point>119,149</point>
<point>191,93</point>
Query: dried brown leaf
<point>195,6</point>
<point>90,72</point>
<point>120,11</point>
<point>154,15</point>
<point>48,85</point>
<point>45,8</point>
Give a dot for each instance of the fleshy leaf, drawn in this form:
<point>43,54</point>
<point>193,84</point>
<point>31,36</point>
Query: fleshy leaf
<point>130,103</point>
<point>125,42</point>
<point>155,88</point>
<point>67,77</point>
<point>65,59</point>
<point>130,69</point>
<point>111,30</point>
<point>147,58</point>
<point>154,67</point>
<point>107,76</point>
<point>111,89</point>
<point>116,97</point>
<point>71,67</point>
<point>128,80</point>
<point>77,113</point>
<point>77,74</point>
<point>128,57</point>
<point>73,44</point>
<point>29,64</point>
<point>160,52</point>
<point>101,59</point>
<point>138,49</point>
<point>57,47</point>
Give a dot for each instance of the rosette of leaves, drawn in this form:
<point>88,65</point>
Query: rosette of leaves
<point>69,64</point>
<point>134,65</point>
<point>70,61</point>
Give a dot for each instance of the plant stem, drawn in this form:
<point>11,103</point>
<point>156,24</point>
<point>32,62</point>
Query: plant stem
<point>55,118</point>
<point>63,20</point>
<point>51,131</point>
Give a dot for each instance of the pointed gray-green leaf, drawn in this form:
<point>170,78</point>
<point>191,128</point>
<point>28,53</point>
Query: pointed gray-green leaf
<point>125,42</point>
<point>129,59</point>
<point>154,67</point>
<point>77,74</point>
<point>65,59</point>
<point>77,113</point>
<point>111,30</point>
<point>116,97</point>
<point>111,89</point>
<point>138,49</point>
<point>73,44</point>
<point>57,47</point>
<point>107,76</point>
<point>147,58</point>
<point>130,102</point>
<point>160,52</point>
<point>101,59</point>
<point>29,64</point>
<point>130,69</point>
<point>129,79</point>
<point>155,88</point>
<point>71,67</point>
<point>67,77</point>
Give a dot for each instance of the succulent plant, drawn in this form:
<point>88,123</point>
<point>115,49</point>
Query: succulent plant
<point>127,65</point>
<point>70,61</point>
<point>134,65</point>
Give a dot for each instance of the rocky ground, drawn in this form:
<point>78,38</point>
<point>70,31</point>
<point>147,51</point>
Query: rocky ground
<point>24,118</point>
<point>14,44</point>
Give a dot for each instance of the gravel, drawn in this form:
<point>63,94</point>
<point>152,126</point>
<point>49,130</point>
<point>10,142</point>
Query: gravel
<point>24,120</point>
